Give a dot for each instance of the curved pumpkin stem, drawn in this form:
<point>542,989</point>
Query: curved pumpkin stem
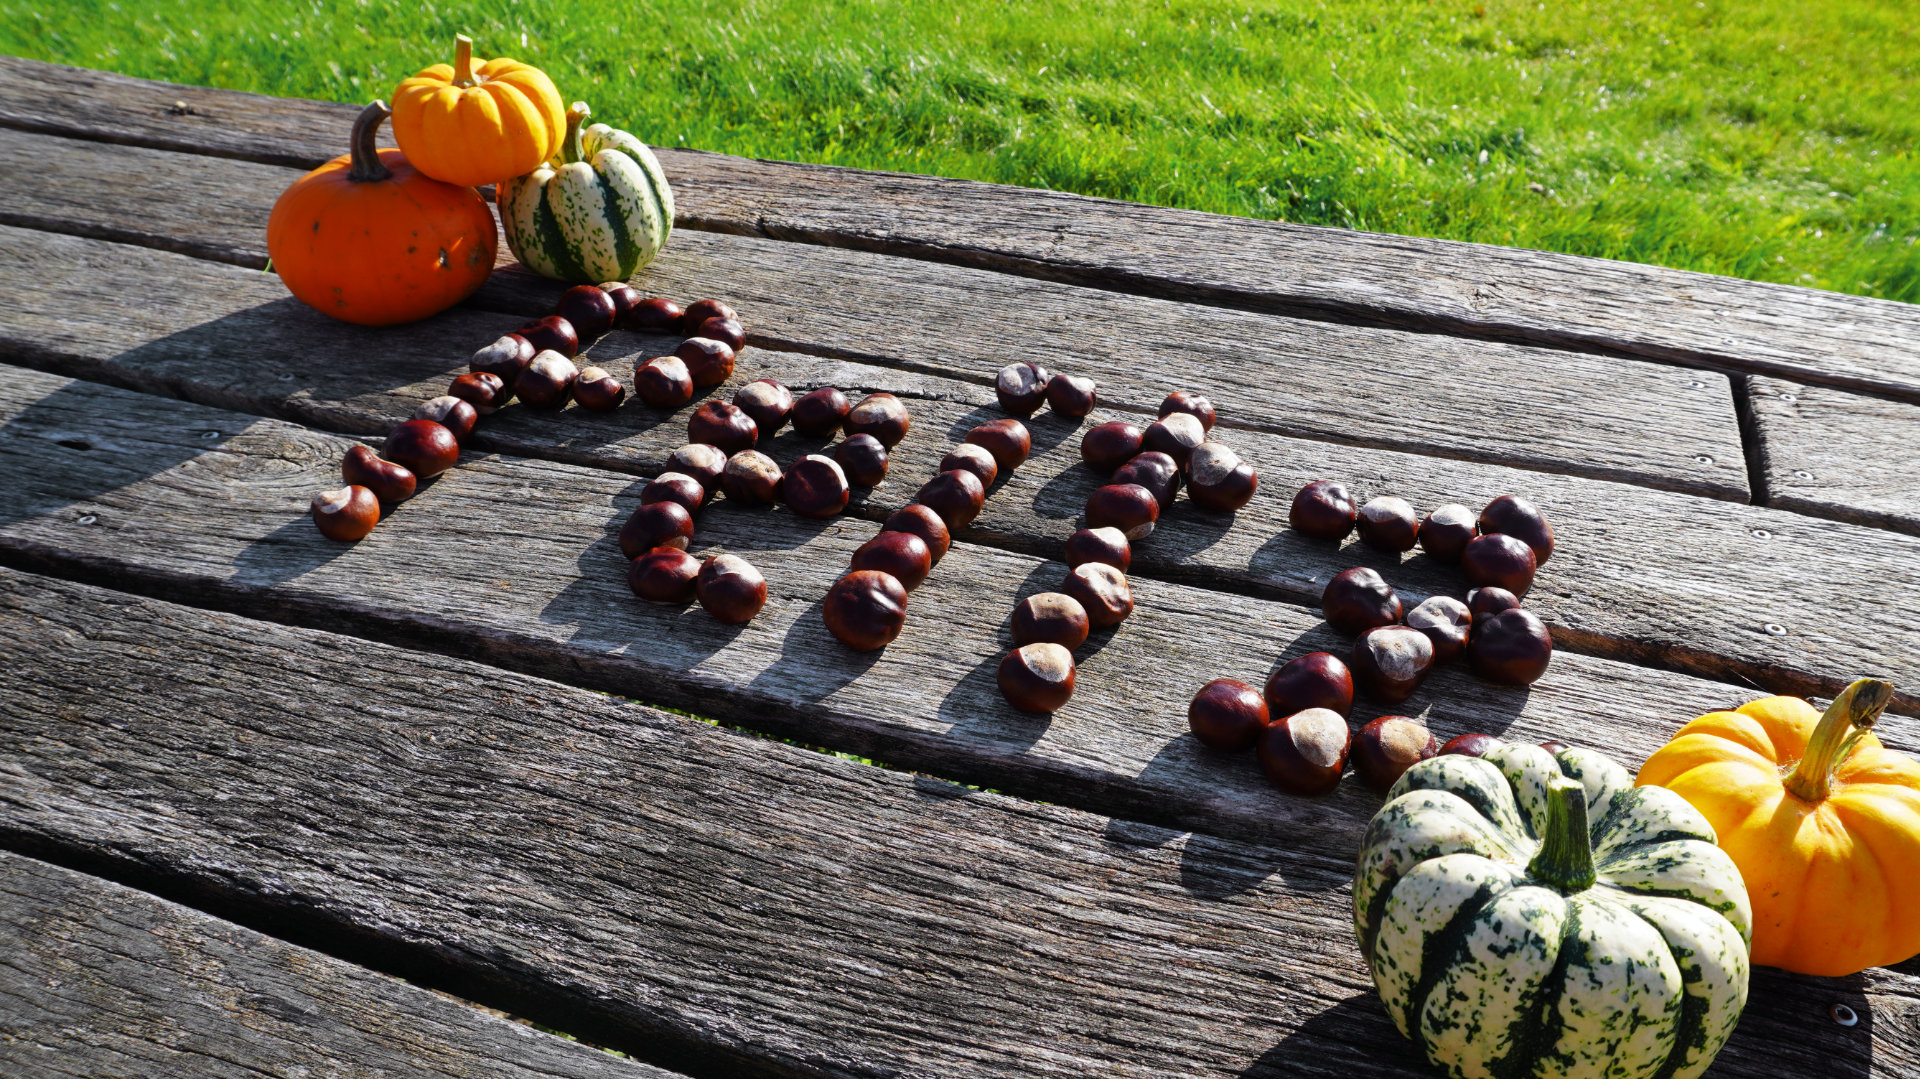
<point>365,165</point>
<point>571,148</point>
<point>1851,715</point>
<point>463,62</point>
<point>1566,850</point>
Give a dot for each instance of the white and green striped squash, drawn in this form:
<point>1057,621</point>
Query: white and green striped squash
<point>598,211</point>
<point>1534,914</point>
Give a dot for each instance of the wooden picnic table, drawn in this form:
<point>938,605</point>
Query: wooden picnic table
<point>249,776</point>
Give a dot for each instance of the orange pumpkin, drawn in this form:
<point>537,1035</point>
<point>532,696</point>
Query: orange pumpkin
<point>478,125</point>
<point>367,239</point>
<point>1822,820</point>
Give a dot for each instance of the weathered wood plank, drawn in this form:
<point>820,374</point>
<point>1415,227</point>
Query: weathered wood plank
<point>671,883</point>
<point>1837,454</point>
<point>1557,300</point>
<point>1564,412</point>
<point>1658,578</point>
<point>100,980</point>
<point>514,562</point>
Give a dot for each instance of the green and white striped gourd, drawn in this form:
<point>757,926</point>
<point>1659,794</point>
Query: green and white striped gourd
<point>1533,914</point>
<point>597,212</point>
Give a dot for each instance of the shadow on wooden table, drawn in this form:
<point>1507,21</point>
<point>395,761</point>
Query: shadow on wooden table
<point>1353,1038</point>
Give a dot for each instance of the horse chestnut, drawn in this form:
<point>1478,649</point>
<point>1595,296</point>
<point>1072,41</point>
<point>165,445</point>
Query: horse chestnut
<point>588,309</point>
<point>1218,480</point>
<point>751,478</point>
<point>1446,532</point>
<point>422,447</point>
<point>674,487</point>
<point>1108,545</point>
<point>1389,524</point>
<point>1177,435</point>
<point>1470,745</point>
<point>1037,677</point>
<point>701,461</point>
<point>1358,600</point>
<point>1021,387</point>
<point>547,381</point>
<point>1324,510</point>
<point>1500,560</point>
<point>1154,470</point>
<point>956,495</point>
<point>1227,715</point>
<point>1390,662</point>
<point>552,333</point>
<point>1128,507</point>
<point>1486,602</point>
<point>709,362</point>
<point>656,524</point>
<point>1190,403</point>
<point>504,359</point>
<point>663,575</point>
<point>974,459</point>
<point>663,382</point>
<point>922,522</point>
<point>1386,747</point>
<point>718,423</point>
<point>389,482</point>
<point>700,311</point>
<point>656,314</point>
<point>863,459</point>
<point>815,487</point>
<point>1511,515</point>
<point>821,412</point>
<point>1102,590</point>
<point>1051,616</point>
<point>1110,445</point>
<point>1446,622</point>
<point>485,391</point>
<point>730,588</point>
<point>1071,396</point>
<point>598,391</point>
<point>768,402</point>
<point>624,297</point>
<point>1008,440</point>
<point>902,554</point>
<point>881,415</point>
<point>1512,648</point>
<point>1306,752</point>
<point>724,330</point>
<point>1315,680</point>
<point>865,609</point>
<point>345,513</point>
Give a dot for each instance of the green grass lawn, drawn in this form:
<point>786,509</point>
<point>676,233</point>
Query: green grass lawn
<point>1768,139</point>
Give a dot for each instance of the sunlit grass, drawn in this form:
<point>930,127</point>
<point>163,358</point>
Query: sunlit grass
<point>1763,138</point>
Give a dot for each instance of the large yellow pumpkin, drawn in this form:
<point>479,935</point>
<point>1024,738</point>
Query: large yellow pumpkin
<point>367,239</point>
<point>1823,821</point>
<point>478,125</point>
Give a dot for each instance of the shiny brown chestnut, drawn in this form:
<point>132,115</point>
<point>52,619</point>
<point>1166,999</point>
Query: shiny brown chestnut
<point>1486,602</point>
<point>1324,510</point>
<point>345,513</point>
<point>450,412</point>
<point>725,330</point>
<point>768,402</point>
<point>1128,507</point>
<point>1389,524</point>
<point>1470,745</point>
<point>596,390</point>
<point>955,495</point>
<point>504,359</point>
<point>422,447</point>
<point>1054,617</point>
<point>485,391</point>
<point>863,459</point>
<point>820,412</point>
<point>1447,622</point>
<point>1227,715</point>
<point>1190,403</point>
<point>1071,395</point>
<point>974,459</point>
<point>1102,590</point>
<point>389,482</point>
<point>547,381</point>
<point>1387,746</point>
<point>1218,480</point>
<point>1446,532</point>
<point>709,362</point>
<point>674,487</point>
<point>1305,753</point>
<point>1021,387</point>
<point>814,486</point>
<point>663,382</point>
<point>865,609</point>
<point>552,333</point>
<point>730,588</point>
<point>1358,600</point>
<point>1511,515</point>
<point>1110,445</point>
<point>881,415</point>
<point>623,296</point>
<point>700,311</point>
<point>588,309</point>
<point>902,554</point>
<point>1390,662</point>
<point>1108,545</point>
<point>751,478</point>
<point>1499,560</point>
<point>922,522</point>
<point>1037,677</point>
<point>656,314</point>
<point>1512,648</point>
<point>718,423</point>
<point>656,524</point>
<point>1008,440</point>
<point>1155,471</point>
<point>701,461</point>
<point>1177,436</point>
<point>1315,680</point>
<point>663,575</point>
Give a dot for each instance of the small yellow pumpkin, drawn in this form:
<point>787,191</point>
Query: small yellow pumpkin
<point>1823,821</point>
<point>478,125</point>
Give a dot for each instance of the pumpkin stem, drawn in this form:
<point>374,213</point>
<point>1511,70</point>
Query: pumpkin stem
<point>463,61</point>
<point>571,147</point>
<point>1566,851</point>
<point>365,165</point>
<point>1846,721</point>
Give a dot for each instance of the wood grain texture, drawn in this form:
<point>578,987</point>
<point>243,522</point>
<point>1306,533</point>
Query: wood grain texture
<point>514,562</point>
<point>1558,411</point>
<point>687,887</point>
<point>1660,578</point>
<point>1432,285</point>
<point>1837,454</point>
<point>102,982</point>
